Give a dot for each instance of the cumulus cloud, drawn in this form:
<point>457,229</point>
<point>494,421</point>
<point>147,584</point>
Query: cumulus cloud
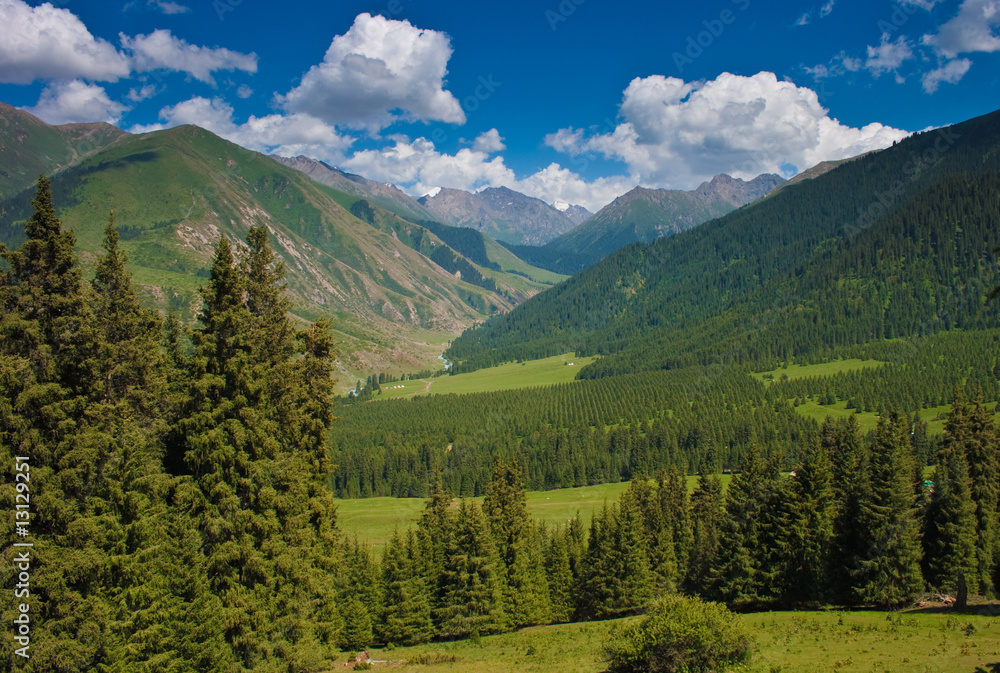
<point>287,135</point>
<point>160,50</point>
<point>972,30</point>
<point>244,91</point>
<point>677,134</point>
<point>888,56</point>
<point>76,101</point>
<point>418,168</point>
<point>141,94</point>
<point>951,72</point>
<point>49,43</point>
<point>375,70</point>
<point>489,142</point>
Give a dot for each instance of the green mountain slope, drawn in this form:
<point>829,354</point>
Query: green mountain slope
<point>29,146</point>
<point>386,281</point>
<point>896,243</point>
<point>644,215</point>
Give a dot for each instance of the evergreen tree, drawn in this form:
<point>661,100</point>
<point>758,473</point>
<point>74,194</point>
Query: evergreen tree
<point>706,530</point>
<point>559,575</point>
<point>808,537</point>
<point>970,428</point>
<point>889,572</point>
<point>743,572</point>
<point>505,506</point>
<point>472,584</point>
<point>406,599</point>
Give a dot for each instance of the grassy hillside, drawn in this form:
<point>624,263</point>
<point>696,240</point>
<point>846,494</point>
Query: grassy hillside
<point>385,281</point>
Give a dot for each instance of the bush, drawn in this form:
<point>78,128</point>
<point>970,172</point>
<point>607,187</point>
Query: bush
<point>679,634</point>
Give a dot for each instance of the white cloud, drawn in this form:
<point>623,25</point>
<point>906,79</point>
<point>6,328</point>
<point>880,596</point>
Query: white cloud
<point>417,167</point>
<point>286,135</point>
<point>160,50</point>
<point>888,56</point>
<point>951,72</point>
<point>489,142</point>
<point>677,134</point>
<point>972,30</point>
<point>147,91</point>
<point>244,91</point>
<point>803,20</point>
<point>826,9</point>
<point>75,101</point>
<point>376,69</point>
<point>49,43</point>
<point>172,7</point>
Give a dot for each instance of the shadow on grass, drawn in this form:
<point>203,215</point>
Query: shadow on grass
<point>990,668</point>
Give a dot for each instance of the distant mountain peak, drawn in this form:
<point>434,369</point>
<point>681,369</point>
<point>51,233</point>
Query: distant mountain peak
<point>504,214</point>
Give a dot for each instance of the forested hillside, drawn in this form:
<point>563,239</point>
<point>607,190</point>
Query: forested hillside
<point>898,243</point>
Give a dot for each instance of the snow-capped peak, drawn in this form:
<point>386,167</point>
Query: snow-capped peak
<point>434,191</point>
<point>561,206</point>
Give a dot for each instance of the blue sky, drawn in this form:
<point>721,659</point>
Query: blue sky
<point>566,100</point>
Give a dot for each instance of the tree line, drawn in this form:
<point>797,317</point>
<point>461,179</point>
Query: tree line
<point>855,524</point>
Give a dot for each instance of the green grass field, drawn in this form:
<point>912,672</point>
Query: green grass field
<point>531,374</point>
<point>788,642</point>
<point>373,520</point>
<point>793,372</point>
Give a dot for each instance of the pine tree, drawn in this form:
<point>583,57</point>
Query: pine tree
<point>706,530</point>
<point>889,572</point>
<point>742,573</point>
<point>505,506</point>
<point>950,523</point>
<point>809,535</point>
<point>406,598</point>
<point>849,456</point>
<point>970,427</point>
<point>472,584</point>
<point>559,575</point>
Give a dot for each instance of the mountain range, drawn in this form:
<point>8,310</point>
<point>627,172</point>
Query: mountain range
<point>644,215</point>
<point>394,288</point>
<point>896,243</point>
<point>504,215</point>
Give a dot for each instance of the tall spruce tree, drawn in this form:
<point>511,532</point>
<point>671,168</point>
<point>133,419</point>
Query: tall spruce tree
<point>949,534</point>
<point>406,597</point>
<point>707,513</point>
<point>808,537</point>
<point>970,428</point>
<point>255,445</point>
<point>472,584</point>
<point>505,506</point>
<point>888,573</point>
<point>745,566</point>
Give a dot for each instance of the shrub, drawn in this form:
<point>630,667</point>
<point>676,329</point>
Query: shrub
<point>679,634</point>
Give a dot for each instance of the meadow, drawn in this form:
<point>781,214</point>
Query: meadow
<point>916,641</point>
<point>510,376</point>
<point>372,520</point>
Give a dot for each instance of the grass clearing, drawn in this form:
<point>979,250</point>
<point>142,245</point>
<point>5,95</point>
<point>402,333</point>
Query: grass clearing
<point>373,520</point>
<point>793,371</point>
<point>510,376</point>
<point>830,640</point>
